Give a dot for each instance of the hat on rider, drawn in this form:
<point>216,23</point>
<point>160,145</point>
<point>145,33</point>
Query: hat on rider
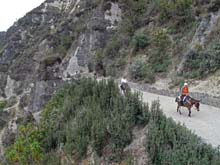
<point>123,80</point>
<point>185,84</point>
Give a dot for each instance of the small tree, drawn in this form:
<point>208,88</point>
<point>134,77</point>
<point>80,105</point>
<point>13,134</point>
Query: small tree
<point>140,41</point>
<point>27,148</point>
<point>138,69</point>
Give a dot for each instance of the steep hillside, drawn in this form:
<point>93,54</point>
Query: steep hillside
<point>2,37</point>
<point>90,122</point>
<point>46,48</point>
<point>161,42</point>
<point>144,40</point>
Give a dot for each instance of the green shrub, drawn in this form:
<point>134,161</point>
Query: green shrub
<point>2,105</point>
<point>138,69</point>
<point>200,64</point>
<point>112,47</point>
<point>52,159</point>
<point>27,149</point>
<point>135,12</point>
<point>126,27</point>
<point>179,9</point>
<point>66,41</point>
<point>77,133</point>
<point>112,70</point>
<point>171,143</point>
<point>140,41</point>
<point>91,113</point>
<point>161,39</point>
<point>61,50</point>
<point>99,56</point>
<point>159,61</point>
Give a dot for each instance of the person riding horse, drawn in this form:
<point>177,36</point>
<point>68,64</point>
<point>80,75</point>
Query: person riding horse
<point>124,86</point>
<point>184,100</point>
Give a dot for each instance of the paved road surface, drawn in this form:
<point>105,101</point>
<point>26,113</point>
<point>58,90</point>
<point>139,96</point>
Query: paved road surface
<point>205,123</point>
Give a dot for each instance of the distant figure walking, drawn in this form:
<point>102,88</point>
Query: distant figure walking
<point>124,87</point>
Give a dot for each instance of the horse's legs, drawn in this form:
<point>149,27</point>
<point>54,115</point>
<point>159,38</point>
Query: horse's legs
<point>121,90</point>
<point>178,109</point>
<point>189,112</point>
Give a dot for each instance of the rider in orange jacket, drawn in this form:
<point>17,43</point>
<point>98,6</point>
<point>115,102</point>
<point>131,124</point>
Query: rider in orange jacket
<point>184,92</point>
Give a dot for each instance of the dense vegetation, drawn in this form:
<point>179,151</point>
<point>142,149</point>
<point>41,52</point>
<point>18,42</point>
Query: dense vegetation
<point>94,114</point>
<point>136,41</point>
<point>82,114</point>
<point>202,63</point>
<point>2,105</point>
<point>153,38</point>
<point>27,148</point>
<point>171,143</point>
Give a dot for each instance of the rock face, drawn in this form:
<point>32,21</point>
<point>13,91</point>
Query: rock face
<point>47,47</point>
<point>50,43</point>
<point>2,36</point>
<point>203,31</point>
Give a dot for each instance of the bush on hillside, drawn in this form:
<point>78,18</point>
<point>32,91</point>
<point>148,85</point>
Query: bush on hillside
<point>159,61</point>
<point>139,70</point>
<point>135,12</point>
<point>27,148</point>
<point>2,105</point>
<point>94,114</point>
<point>140,41</point>
<point>171,143</point>
<point>179,9</point>
<point>161,39</point>
<point>200,64</point>
<point>112,47</point>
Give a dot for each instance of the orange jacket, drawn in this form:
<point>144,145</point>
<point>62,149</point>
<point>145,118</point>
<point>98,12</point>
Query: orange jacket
<point>185,90</point>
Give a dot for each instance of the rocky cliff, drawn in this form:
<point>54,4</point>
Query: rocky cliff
<point>47,47</point>
<point>40,46</point>
<point>2,37</point>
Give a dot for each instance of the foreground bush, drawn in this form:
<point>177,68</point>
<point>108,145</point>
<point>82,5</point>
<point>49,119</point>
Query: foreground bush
<point>171,143</point>
<point>91,114</point>
<point>27,149</point>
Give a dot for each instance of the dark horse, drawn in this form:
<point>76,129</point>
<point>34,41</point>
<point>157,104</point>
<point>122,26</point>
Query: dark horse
<point>189,103</point>
<point>125,88</point>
